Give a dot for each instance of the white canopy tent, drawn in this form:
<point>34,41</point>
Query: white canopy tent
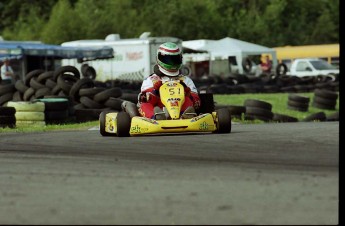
<point>229,47</point>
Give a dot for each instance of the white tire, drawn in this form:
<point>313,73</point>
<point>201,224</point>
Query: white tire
<point>27,106</point>
<point>30,123</point>
<point>29,116</point>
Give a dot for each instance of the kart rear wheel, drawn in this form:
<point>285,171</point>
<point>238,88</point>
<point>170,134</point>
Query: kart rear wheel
<point>102,117</point>
<point>223,121</point>
<point>123,123</point>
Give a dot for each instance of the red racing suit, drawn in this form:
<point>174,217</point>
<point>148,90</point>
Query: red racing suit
<point>148,98</point>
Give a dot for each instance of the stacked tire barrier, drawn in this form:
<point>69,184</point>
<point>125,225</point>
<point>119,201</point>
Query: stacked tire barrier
<point>265,83</point>
<point>86,97</point>
<point>28,113</point>
<point>56,110</point>
<point>298,102</point>
<point>325,99</point>
<point>258,109</point>
<point>7,117</point>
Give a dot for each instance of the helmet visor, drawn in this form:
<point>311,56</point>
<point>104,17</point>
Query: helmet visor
<point>174,61</point>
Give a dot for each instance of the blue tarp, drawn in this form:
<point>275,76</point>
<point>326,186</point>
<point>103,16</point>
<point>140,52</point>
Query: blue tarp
<point>13,49</point>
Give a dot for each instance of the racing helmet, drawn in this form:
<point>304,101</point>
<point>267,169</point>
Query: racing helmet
<point>169,59</point>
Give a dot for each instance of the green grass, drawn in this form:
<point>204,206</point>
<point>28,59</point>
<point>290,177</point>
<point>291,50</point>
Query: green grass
<point>278,101</point>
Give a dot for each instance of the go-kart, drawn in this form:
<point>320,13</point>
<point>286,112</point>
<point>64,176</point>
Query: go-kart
<point>129,122</point>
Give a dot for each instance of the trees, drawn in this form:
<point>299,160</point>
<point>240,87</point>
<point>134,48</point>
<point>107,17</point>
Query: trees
<point>266,22</point>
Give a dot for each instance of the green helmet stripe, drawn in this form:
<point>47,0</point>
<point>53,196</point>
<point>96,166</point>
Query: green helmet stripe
<point>169,67</point>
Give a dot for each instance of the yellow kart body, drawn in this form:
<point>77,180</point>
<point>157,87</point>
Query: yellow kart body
<point>172,96</point>
<point>142,125</point>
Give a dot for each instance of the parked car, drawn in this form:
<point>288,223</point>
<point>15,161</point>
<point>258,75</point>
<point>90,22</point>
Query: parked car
<point>311,67</point>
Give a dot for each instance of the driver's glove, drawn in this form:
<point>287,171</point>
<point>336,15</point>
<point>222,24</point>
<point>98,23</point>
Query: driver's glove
<point>156,85</point>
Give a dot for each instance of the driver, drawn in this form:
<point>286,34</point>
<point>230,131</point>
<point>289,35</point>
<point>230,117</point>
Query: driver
<point>168,63</point>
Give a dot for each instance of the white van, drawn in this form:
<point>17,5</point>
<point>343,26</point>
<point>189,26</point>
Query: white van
<point>134,58</point>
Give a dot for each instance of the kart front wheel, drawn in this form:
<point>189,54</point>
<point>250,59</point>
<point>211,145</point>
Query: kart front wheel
<point>102,125</point>
<point>223,121</point>
<point>123,123</point>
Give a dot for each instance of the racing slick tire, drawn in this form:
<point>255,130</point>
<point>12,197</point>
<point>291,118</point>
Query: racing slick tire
<point>223,121</point>
<point>102,131</point>
<point>123,123</point>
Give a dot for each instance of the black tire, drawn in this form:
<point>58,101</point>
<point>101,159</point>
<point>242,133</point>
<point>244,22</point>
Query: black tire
<point>259,111</point>
<point>44,76</point>
<point>236,111</point>
<point>223,122</point>
<point>81,83</point>
<point>40,93</point>
<point>281,69</point>
<point>20,86</point>
<point>7,119</point>
<point>297,104</point>
<point>55,104</point>
<point>17,96</point>
<point>65,82</point>
<point>326,94</point>
<point>89,103</point>
<point>66,69</point>
<point>9,125</point>
<point>299,98</point>
<point>7,111</point>
<point>132,97</point>
<point>283,118</point>
<point>56,115</point>
<point>102,118</point>
<point>83,68</point>
<point>5,98</point>
<point>90,92</point>
<point>302,109</point>
<point>257,103</point>
<point>56,90</point>
<point>123,123</point>
<point>50,83</point>
<point>323,106</point>
<point>325,101</point>
<point>114,103</point>
<point>258,117</point>
<point>90,73</point>
<point>28,94</point>
<point>247,65</point>
<point>10,88</point>
<point>35,84</point>
<point>319,116</point>
<point>31,75</point>
<point>219,106</point>
<point>104,95</point>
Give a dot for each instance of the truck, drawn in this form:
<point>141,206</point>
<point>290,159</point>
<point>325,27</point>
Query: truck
<point>311,67</point>
<point>134,58</point>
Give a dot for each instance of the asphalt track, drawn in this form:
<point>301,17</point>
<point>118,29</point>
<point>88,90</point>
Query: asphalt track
<point>286,173</point>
